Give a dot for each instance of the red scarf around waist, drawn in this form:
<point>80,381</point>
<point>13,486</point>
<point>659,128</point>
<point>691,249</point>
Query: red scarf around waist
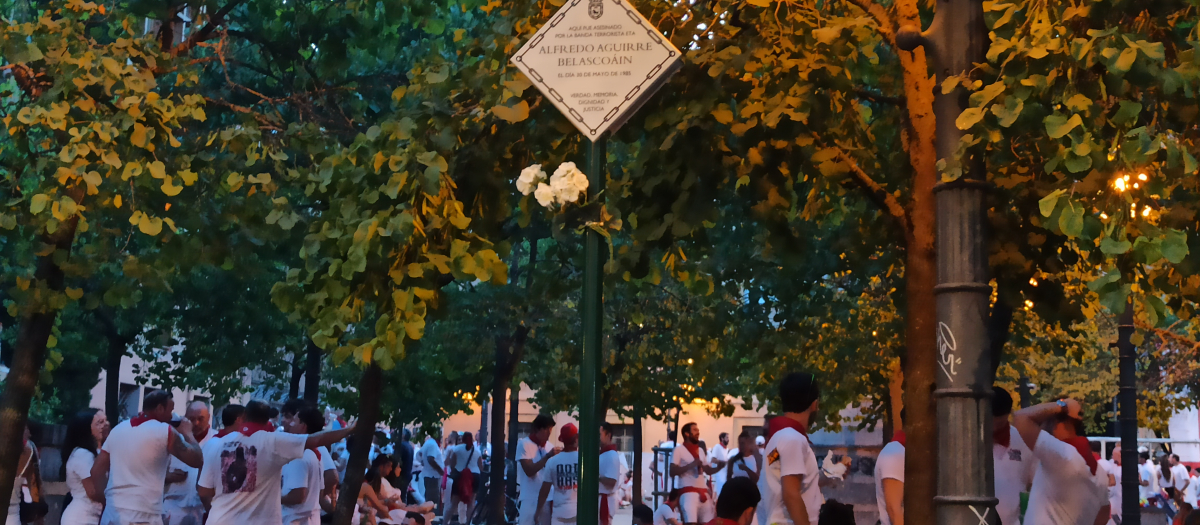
<point>702,491</point>
<point>1002,436</point>
<point>781,422</point>
<point>1085,449</point>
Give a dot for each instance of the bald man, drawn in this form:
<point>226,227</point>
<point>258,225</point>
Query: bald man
<point>181,502</point>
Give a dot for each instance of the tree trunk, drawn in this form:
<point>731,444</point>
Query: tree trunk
<point>484,417</point>
<point>28,358</point>
<point>364,432</point>
<point>294,381</point>
<point>638,497</point>
<point>920,273</point>
<point>514,407</point>
<point>499,457</point>
<point>312,373</point>
<point>112,380</point>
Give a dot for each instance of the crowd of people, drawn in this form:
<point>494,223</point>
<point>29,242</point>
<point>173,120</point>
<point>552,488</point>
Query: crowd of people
<point>267,466</point>
<point>1041,454</point>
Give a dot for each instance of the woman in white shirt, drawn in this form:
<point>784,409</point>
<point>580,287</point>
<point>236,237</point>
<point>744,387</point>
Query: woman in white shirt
<point>85,433</point>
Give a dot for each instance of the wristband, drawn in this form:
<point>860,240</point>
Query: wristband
<point>1063,405</point>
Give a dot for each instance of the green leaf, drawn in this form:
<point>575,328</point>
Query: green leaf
<point>1175,246</point>
<point>1076,163</point>
<point>1154,308</point>
<point>1127,114</point>
<point>982,97</point>
<point>435,26</point>
<point>38,203</point>
<point>1110,246</point>
<point>1111,277</point>
<point>1008,113</point>
<point>1047,204</point>
<point>1057,125</point>
<point>969,118</point>
<point>1071,221</point>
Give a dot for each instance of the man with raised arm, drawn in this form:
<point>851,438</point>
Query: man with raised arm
<point>1066,487</point>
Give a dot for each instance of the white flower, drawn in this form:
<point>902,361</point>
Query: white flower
<point>544,194</point>
<point>566,182</point>
<point>529,178</point>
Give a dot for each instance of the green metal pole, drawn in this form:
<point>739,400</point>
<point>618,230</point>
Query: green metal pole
<point>589,370</point>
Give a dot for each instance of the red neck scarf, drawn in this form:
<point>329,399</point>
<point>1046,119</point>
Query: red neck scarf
<point>607,448</point>
<point>1002,436</point>
<point>536,441</point>
<point>781,422</point>
<point>317,451</point>
<point>248,429</point>
<point>900,437</point>
<point>200,435</point>
<point>141,418</point>
<point>1085,449</point>
<point>693,448</point>
<point>225,432</point>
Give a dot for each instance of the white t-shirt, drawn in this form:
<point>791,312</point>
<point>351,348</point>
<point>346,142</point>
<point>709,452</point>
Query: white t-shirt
<point>82,508</point>
<point>610,467</point>
<point>1065,491</point>
<point>1191,492</point>
<point>244,471</point>
<point>718,453</point>
<point>738,460</point>
<point>464,459</point>
<point>663,513</point>
<point>1103,470</point>
<point>1179,477</point>
<point>1146,473</point>
<point>1014,468</point>
<point>788,453</point>
<point>327,463</point>
<point>1155,477</point>
<point>430,451</point>
<point>889,465</point>
<point>184,493</point>
<point>692,477</point>
<point>138,459</point>
<point>562,473</point>
<point>305,473</point>
<point>530,486</point>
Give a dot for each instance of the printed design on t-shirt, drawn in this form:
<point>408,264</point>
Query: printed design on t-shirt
<point>773,457</point>
<point>566,477</point>
<point>239,468</point>
<point>1014,455</point>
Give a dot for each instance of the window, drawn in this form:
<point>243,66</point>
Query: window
<point>129,399</point>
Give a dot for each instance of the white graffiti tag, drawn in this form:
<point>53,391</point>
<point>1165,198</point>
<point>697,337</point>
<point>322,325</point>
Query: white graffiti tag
<point>947,347</point>
<point>986,510</point>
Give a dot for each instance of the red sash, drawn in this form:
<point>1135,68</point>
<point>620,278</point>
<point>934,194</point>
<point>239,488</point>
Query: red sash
<point>703,492</point>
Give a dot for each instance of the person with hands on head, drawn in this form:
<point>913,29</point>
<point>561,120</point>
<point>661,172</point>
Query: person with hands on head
<point>531,459</point>
<point>1066,487</point>
<point>136,456</point>
<point>689,462</point>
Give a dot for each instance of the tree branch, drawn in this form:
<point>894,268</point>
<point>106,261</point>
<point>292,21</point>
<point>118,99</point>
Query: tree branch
<point>887,28</point>
<point>878,97</point>
<point>204,33</point>
<point>886,201</point>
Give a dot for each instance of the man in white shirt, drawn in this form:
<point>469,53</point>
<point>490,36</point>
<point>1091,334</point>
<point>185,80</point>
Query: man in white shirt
<point>531,459</point>
<point>1190,495</point>
<point>610,475</point>
<point>788,482</point>
<point>432,469</point>
<point>560,480</point>
<point>1145,476</point>
<point>240,481</point>
<point>745,462</point>
<point>181,503</point>
<point>1179,479</point>
<point>720,453</point>
<point>304,477</point>
<point>327,497</point>
<point>889,480</point>
<point>690,463</point>
<point>136,455</point>
<point>1114,491</point>
<point>1014,464</point>
<point>668,512</point>
<point>1066,490</point>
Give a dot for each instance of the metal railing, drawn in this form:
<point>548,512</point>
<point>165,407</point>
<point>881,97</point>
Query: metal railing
<point>1105,440</point>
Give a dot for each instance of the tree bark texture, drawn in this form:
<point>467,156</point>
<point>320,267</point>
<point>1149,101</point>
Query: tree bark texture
<point>312,372</point>
<point>28,358</point>
<point>364,432</point>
